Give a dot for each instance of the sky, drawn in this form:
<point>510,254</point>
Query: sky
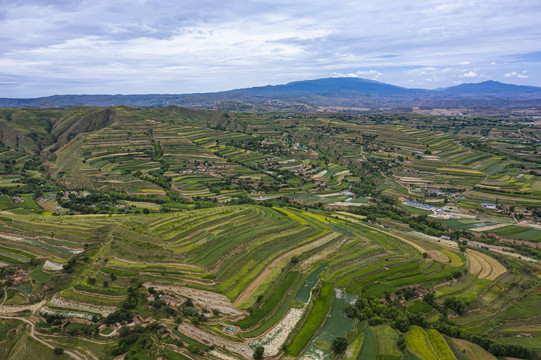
<point>50,47</point>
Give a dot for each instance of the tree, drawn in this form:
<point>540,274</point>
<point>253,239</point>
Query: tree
<point>456,304</point>
<point>402,323</point>
<point>258,353</point>
<point>429,297</point>
<point>351,311</point>
<point>339,345</point>
<point>401,342</point>
<point>58,351</point>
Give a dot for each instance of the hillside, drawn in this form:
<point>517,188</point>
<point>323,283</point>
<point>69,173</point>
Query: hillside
<point>175,233</point>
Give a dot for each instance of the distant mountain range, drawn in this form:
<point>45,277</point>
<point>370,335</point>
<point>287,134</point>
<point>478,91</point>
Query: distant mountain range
<point>310,95</point>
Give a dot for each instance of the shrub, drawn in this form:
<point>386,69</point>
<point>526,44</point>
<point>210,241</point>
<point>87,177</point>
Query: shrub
<point>339,345</point>
<point>258,353</point>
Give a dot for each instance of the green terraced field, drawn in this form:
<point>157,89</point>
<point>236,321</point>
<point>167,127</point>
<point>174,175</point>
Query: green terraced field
<point>220,230</point>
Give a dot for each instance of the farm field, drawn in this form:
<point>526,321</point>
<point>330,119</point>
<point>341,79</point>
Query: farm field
<point>428,344</point>
<point>173,233</point>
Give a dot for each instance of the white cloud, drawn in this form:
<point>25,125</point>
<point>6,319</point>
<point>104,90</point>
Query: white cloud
<point>207,45</point>
<point>422,71</point>
<point>514,74</point>
<point>469,74</point>
<point>368,74</point>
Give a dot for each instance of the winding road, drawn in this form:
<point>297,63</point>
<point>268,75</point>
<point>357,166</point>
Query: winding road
<point>32,334</point>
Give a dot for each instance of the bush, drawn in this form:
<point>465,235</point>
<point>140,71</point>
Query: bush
<point>401,342</point>
<point>58,351</point>
<point>339,345</point>
<point>456,304</point>
<point>258,353</point>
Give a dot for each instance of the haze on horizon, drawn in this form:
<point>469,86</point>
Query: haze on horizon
<point>141,47</point>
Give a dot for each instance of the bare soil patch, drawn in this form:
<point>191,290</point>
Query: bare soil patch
<point>202,298</point>
<point>485,266</point>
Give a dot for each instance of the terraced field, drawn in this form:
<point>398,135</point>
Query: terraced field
<point>484,266</point>
<point>428,344</point>
<point>192,255</point>
<point>174,233</point>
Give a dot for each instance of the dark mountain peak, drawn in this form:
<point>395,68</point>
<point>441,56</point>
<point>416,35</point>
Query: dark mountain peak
<point>342,91</point>
<point>491,87</point>
<point>334,86</point>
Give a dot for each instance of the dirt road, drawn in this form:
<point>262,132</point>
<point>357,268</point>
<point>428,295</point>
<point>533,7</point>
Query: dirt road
<point>73,355</point>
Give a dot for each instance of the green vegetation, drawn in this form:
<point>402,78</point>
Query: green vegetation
<point>313,322</point>
<point>370,346</point>
<point>170,233</point>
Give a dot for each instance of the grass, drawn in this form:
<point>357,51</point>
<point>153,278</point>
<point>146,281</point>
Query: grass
<point>369,351</point>
<point>6,203</point>
<point>29,203</point>
<point>530,235</point>
<point>472,351</point>
<point>27,348</point>
<point>415,210</point>
<point>271,303</point>
<point>419,307</point>
<point>190,341</point>
<point>509,230</point>
<point>456,258</point>
<point>40,275</point>
<point>439,345</point>
<point>278,313</point>
<point>428,344</point>
<point>78,326</point>
<point>387,343</point>
<point>418,343</point>
<point>355,345</point>
<point>172,355</point>
<point>313,322</point>
<point>19,252</point>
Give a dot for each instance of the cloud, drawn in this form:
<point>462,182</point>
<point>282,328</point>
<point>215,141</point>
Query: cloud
<point>514,74</point>
<point>144,46</point>
<point>469,74</point>
<point>422,71</point>
<point>369,74</point>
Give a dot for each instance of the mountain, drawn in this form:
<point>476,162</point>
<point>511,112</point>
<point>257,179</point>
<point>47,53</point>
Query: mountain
<point>493,89</point>
<point>342,86</point>
<point>308,95</point>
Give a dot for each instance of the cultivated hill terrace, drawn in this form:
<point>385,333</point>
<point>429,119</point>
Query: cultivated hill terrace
<point>169,233</point>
